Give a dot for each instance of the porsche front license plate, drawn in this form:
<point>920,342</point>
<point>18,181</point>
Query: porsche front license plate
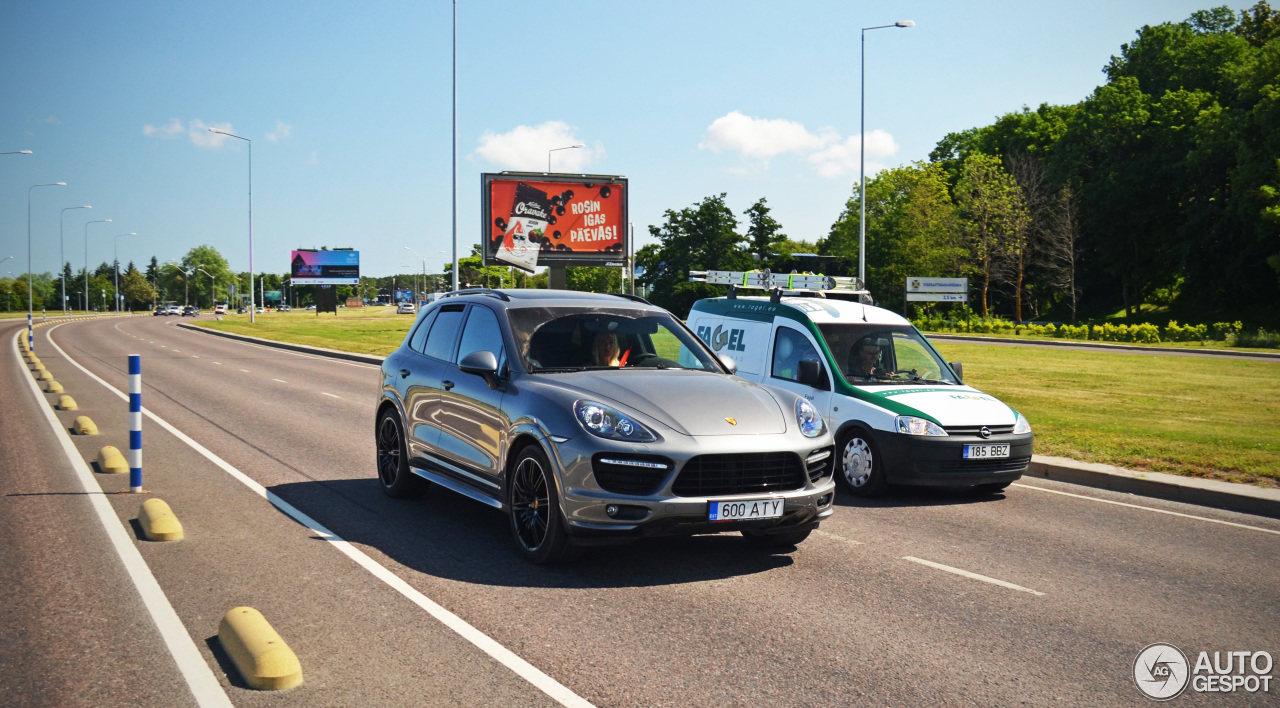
<point>746,510</point>
<point>985,452</point>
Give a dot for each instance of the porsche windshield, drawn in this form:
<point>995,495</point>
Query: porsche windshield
<point>562,339</point>
<point>881,354</point>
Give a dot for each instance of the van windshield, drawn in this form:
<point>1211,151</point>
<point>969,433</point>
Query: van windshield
<point>882,354</point>
<point>561,339</point>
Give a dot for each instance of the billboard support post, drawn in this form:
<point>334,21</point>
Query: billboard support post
<point>558,277</point>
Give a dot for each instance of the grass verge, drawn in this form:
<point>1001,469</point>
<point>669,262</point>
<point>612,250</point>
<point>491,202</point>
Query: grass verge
<point>365,331</point>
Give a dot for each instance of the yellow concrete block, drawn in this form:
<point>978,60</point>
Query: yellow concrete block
<point>158,522</point>
<point>37,365</point>
<point>110,461</point>
<point>264,660</point>
<point>66,403</point>
<point>84,426</point>
<point>45,375</point>
<point>53,387</point>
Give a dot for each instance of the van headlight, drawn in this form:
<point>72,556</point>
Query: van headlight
<point>809,419</point>
<point>605,422</point>
<point>1022,427</point>
<point>911,425</point>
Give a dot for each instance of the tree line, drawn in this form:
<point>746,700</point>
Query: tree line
<point>1161,189</point>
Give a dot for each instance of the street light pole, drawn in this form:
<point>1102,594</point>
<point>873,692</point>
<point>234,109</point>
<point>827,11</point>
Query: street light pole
<point>31,342</point>
<point>252,307</point>
<point>86,260</point>
<point>62,253</point>
<point>202,270</point>
<point>862,157</point>
<point>115,264</point>
<point>455,145</point>
<point>567,147</point>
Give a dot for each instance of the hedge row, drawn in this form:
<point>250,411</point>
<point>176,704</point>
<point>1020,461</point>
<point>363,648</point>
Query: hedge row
<point>1230,332</point>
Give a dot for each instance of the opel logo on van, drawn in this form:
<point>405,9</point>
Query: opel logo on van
<point>985,432</point>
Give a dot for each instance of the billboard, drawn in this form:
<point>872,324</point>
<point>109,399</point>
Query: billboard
<point>325,268</point>
<point>548,218</point>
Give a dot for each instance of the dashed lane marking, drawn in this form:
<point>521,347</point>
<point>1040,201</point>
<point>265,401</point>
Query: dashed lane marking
<point>557,691</point>
<point>280,380</point>
<point>330,395</point>
<point>245,370</point>
<point>841,539</point>
<point>972,576</point>
<point>218,363</point>
<point>1148,508</point>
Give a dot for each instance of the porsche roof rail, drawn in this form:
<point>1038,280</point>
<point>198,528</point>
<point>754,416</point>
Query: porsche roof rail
<point>479,291</point>
<point>633,298</point>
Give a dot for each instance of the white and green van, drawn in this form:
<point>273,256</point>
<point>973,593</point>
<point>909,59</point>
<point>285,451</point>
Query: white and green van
<point>901,414</point>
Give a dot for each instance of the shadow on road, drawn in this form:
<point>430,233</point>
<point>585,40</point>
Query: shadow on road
<point>898,497</point>
<point>448,536</point>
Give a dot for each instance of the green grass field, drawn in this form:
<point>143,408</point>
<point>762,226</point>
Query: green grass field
<point>1196,416</point>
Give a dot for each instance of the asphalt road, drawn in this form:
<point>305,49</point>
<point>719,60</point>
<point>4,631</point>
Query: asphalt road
<point>850,617</point>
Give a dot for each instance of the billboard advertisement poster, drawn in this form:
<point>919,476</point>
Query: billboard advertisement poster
<point>404,295</point>
<point>537,218</point>
<point>325,267</point>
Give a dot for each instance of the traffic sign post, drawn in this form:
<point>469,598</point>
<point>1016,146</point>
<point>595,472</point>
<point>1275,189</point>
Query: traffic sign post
<point>919,289</point>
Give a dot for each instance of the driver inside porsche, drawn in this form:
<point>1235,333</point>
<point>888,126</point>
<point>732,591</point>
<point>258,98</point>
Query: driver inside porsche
<point>606,350</point>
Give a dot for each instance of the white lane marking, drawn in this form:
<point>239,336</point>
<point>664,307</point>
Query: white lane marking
<point>245,370</point>
<point>175,351</point>
<point>199,677</point>
<point>1148,508</point>
<point>841,539</point>
<point>973,576</point>
<point>556,690</point>
<point>330,395</point>
<point>280,380</point>
<point>218,363</point>
<point>193,356</point>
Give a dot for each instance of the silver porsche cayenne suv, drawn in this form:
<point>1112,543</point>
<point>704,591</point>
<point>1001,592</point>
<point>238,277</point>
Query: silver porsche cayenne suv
<point>590,419</point>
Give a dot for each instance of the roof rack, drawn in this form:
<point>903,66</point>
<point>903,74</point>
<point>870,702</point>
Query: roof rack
<point>479,291</point>
<point>778,282</point>
<point>629,296</point>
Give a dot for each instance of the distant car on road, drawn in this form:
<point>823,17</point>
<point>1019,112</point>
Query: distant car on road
<point>311,307</point>
<point>261,310</point>
<point>284,308</point>
<point>242,310</point>
<point>190,310</point>
<point>589,419</point>
<point>406,308</point>
<point>220,310</point>
<point>173,310</point>
<point>160,311</point>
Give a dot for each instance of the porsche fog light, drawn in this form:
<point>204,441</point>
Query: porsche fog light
<point>911,425</point>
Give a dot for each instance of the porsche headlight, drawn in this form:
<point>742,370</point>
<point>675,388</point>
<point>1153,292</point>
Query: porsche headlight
<point>911,425</point>
<point>809,419</point>
<point>1022,427</point>
<point>602,421</point>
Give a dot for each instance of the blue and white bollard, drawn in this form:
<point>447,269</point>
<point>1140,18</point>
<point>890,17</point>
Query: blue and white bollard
<point>135,423</point>
<point>31,340</point>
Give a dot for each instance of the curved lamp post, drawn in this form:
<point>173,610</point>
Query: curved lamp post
<point>252,304</point>
<point>211,281</point>
<point>63,255</point>
<point>31,342</point>
<point>567,147</point>
<point>862,156</point>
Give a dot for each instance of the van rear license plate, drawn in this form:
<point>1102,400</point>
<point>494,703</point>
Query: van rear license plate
<point>746,510</point>
<point>985,452</point>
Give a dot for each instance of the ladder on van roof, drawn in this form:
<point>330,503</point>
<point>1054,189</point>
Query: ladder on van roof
<point>778,282</point>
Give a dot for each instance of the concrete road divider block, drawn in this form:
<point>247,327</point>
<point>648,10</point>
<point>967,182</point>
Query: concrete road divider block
<point>45,375</point>
<point>53,387</point>
<point>110,461</point>
<point>84,426</point>
<point>264,660</point>
<point>158,522</point>
<point>66,403</point>
<point>37,365</point>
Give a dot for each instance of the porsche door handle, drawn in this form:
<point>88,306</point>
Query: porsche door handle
<point>448,385</point>
<point>404,373</point>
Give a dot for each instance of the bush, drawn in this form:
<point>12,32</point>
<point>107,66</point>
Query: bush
<point>1261,338</point>
<point>1225,331</point>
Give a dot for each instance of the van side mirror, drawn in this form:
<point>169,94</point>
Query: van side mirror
<point>958,368</point>
<point>810,374</point>
<point>727,362</point>
<point>483,364</point>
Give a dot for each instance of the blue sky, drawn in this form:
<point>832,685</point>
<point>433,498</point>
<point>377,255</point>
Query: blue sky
<point>349,108</point>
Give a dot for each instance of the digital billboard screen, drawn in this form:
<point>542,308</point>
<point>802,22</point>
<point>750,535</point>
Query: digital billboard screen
<point>568,219</point>
<point>325,268</point>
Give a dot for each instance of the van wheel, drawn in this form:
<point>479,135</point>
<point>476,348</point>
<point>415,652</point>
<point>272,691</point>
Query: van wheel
<point>860,469</point>
<point>393,460</point>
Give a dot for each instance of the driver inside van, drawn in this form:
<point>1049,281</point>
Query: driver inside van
<point>864,359</point>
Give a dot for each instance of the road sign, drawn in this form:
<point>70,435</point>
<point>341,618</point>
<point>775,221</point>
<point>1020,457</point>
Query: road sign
<point>937,285</point>
<point>937,297</point>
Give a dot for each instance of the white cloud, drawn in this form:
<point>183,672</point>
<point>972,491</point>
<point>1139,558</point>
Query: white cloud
<point>759,139</point>
<point>525,148</point>
<point>283,131</point>
<point>762,138</point>
<point>197,131</point>
<point>842,158</point>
